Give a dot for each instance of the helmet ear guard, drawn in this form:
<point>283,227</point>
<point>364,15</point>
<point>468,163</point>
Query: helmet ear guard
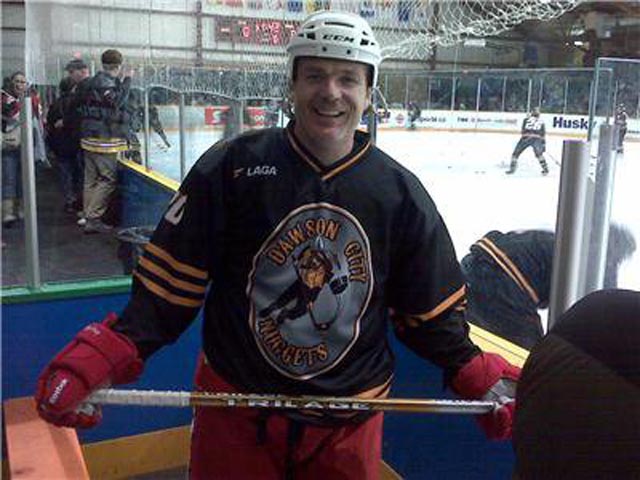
<point>335,35</point>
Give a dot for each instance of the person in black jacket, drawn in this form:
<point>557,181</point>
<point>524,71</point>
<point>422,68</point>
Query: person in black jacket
<point>63,140</point>
<point>101,102</point>
<point>508,279</point>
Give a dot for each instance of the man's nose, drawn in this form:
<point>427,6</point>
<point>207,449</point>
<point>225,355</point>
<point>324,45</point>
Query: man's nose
<point>330,87</point>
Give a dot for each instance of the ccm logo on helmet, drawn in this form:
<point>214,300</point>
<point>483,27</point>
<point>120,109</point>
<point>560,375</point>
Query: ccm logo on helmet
<point>338,38</point>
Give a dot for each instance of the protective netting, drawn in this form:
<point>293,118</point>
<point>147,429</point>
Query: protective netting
<point>237,47</point>
<point>411,28</point>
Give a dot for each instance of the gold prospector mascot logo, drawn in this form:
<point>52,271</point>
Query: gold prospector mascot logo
<point>310,284</point>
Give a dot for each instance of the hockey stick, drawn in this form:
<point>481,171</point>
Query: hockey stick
<point>153,398</point>
<point>547,154</point>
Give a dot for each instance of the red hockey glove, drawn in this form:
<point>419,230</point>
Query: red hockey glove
<point>490,377</point>
<point>96,357</point>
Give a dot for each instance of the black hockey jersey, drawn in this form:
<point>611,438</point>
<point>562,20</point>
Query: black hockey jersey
<point>299,268</point>
<point>525,256</point>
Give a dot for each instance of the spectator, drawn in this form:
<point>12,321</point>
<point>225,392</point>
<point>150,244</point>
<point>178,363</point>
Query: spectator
<point>13,93</point>
<point>578,413</point>
<point>508,277</point>
<point>64,143</point>
<point>101,102</point>
<point>310,236</point>
<point>77,71</point>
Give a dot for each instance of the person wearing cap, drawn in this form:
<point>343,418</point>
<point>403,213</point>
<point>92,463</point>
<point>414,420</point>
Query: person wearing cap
<point>101,105</point>
<point>302,246</point>
<point>77,70</point>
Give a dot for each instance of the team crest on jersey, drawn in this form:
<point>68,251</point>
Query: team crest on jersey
<point>310,284</point>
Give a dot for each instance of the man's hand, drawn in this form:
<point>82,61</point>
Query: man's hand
<point>490,377</point>
<point>96,357</point>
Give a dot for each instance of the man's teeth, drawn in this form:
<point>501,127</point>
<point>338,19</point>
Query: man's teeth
<point>329,114</point>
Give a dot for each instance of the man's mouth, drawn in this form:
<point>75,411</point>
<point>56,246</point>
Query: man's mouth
<point>328,113</point>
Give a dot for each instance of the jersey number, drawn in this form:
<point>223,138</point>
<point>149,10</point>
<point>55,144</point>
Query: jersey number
<point>176,209</point>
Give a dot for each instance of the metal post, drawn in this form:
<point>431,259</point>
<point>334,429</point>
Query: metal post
<point>478,91</point>
<point>569,227</point>
<point>453,93</point>
<point>540,92</point>
<point>504,93</point>
<point>239,118</point>
<point>181,128</point>
<point>566,95</point>
<point>406,91</point>
<point>32,249</point>
<point>529,92</point>
<point>147,133</point>
<point>596,256</point>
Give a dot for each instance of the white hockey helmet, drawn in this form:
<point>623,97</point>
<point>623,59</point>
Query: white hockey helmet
<point>339,35</point>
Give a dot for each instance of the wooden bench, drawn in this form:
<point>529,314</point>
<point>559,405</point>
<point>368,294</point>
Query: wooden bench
<point>37,449</point>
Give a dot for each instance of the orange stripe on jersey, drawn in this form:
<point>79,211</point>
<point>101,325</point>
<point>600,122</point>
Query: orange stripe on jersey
<point>346,165</point>
<point>448,303</point>
<point>175,282</point>
<point>300,152</point>
<point>508,266</point>
<point>166,295</point>
<point>175,264</point>
<point>380,391</point>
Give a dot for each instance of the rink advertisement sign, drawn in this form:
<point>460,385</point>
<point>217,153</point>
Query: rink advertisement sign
<point>573,125</point>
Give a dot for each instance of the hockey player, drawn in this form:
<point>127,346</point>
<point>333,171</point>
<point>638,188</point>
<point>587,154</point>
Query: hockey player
<point>620,121</point>
<point>315,206</point>
<point>508,278</point>
<point>135,107</point>
<point>413,112</point>
<point>533,135</point>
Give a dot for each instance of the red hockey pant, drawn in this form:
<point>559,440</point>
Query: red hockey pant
<point>227,444</point>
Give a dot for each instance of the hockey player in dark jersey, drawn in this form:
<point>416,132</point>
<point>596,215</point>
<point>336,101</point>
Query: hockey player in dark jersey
<point>508,278</point>
<point>268,210</point>
<point>620,121</point>
<point>533,135</point>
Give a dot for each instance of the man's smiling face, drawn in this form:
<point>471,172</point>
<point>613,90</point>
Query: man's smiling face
<point>329,98</point>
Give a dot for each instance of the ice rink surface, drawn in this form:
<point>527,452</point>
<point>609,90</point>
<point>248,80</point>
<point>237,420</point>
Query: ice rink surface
<point>464,172</point>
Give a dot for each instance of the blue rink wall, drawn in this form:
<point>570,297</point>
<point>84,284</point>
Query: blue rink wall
<point>417,446</point>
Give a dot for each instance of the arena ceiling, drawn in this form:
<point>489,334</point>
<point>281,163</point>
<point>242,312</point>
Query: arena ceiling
<point>614,26</point>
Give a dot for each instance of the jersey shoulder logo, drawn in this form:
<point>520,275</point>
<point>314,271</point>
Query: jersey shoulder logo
<point>256,171</point>
<point>309,287</point>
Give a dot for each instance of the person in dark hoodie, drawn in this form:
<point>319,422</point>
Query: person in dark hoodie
<point>62,139</point>
<point>578,399</point>
<point>508,279</point>
<point>102,105</point>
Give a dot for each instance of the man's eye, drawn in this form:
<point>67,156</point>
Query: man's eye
<point>350,80</point>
